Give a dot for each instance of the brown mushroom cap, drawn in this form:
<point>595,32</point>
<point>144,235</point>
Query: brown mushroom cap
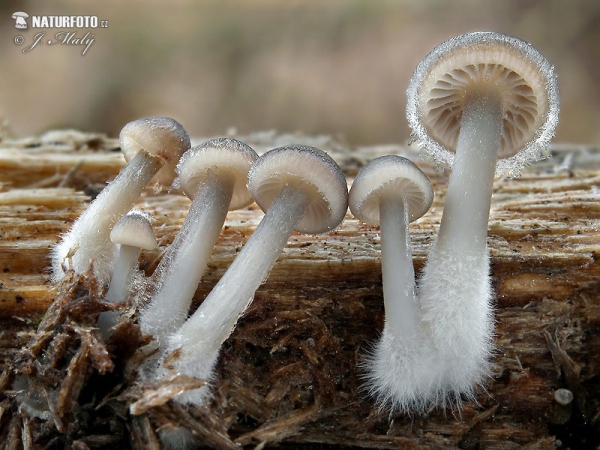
<point>307,168</point>
<point>490,64</point>
<point>390,174</point>
<point>134,229</point>
<point>223,155</point>
<point>161,137</point>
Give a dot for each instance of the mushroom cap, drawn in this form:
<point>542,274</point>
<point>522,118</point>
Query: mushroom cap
<point>390,174</point>
<point>134,229</point>
<point>310,169</point>
<point>487,63</point>
<point>223,156</point>
<point>161,137</point>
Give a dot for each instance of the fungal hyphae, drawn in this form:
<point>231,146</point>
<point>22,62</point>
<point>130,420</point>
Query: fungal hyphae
<point>214,176</point>
<point>300,188</point>
<point>152,146</point>
<point>481,103</point>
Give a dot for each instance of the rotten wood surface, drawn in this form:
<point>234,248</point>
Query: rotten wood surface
<point>289,374</point>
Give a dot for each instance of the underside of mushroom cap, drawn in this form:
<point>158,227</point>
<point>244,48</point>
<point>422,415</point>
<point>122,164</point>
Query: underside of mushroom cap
<point>224,155</point>
<point>395,175</point>
<point>306,168</point>
<point>492,64</point>
<point>161,137</point>
<point>134,229</point>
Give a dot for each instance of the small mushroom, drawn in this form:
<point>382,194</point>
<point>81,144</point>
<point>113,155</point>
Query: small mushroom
<point>131,233</point>
<point>480,103</point>
<point>214,176</point>
<point>563,396</point>
<point>152,145</point>
<point>300,188</point>
<point>390,192</point>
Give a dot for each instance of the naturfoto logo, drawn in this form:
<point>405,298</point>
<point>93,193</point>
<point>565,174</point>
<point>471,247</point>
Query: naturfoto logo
<point>58,21</point>
<point>63,36</point>
<point>20,20</point>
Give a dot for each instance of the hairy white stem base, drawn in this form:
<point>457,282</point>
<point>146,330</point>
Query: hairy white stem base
<point>178,439</point>
<point>88,240</point>
<point>455,293</point>
<point>398,369</point>
<point>402,374</point>
<point>452,355</point>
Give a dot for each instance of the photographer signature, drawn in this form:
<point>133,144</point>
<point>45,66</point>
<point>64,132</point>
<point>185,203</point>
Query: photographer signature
<point>62,38</point>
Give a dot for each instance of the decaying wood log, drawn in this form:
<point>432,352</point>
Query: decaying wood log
<point>289,374</point>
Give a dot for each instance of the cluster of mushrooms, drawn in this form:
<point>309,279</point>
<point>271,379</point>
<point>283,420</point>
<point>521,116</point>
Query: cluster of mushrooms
<point>483,103</point>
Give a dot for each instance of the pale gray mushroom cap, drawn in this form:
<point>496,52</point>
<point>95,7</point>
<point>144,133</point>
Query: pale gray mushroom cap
<point>309,169</point>
<point>485,62</point>
<point>134,229</point>
<point>222,155</point>
<point>160,137</point>
<point>387,175</point>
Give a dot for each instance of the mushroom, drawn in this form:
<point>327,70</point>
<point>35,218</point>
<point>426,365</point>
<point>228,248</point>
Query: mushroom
<point>132,233</point>
<point>152,145</point>
<point>563,396</point>
<point>300,188</point>
<point>391,191</point>
<point>475,99</point>
<point>214,176</point>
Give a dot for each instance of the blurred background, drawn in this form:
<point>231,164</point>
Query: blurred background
<point>336,67</point>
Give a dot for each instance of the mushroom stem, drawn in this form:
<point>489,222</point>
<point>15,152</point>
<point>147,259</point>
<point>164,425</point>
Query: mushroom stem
<point>391,191</point>
<point>467,205</point>
<point>119,286</point>
<point>127,187</point>
<point>122,273</point>
<point>182,267</point>
<point>201,336</point>
<point>455,290</point>
<point>102,214</point>
<point>401,310</point>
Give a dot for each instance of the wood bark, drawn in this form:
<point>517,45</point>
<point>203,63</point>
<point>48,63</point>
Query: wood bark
<point>290,373</point>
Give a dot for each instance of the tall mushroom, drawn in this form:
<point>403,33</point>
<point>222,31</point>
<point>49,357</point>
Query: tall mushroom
<point>480,103</point>
<point>152,146</point>
<point>390,192</point>
<point>214,176</point>
<point>300,188</point>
